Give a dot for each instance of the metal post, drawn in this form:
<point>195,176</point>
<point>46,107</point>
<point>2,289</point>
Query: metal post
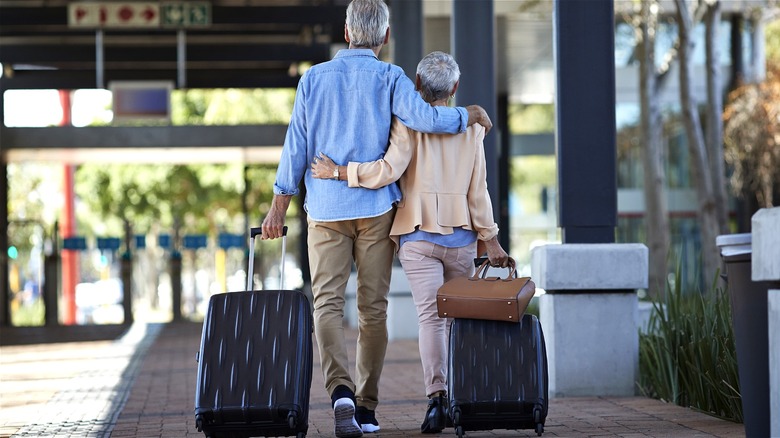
<point>474,51</point>
<point>175,272</point>
<point>50,300</point>
<point>406,30</point>
<point>126,275</point>
<point>5,290</point>
<point>503,172</point>
<point>181,58</point>
<point>99,66</point>
<point>584,41</point>
<point>51,279</point>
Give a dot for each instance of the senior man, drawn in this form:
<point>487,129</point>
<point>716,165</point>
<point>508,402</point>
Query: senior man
<point>343,108</point>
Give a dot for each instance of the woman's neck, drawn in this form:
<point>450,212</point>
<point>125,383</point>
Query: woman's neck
<point>440,102</point>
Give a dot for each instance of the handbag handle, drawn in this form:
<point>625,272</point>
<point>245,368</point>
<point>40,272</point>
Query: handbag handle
<point>481,272</point>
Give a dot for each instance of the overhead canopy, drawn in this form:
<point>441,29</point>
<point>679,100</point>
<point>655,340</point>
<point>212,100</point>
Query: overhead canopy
<point>219,43</point>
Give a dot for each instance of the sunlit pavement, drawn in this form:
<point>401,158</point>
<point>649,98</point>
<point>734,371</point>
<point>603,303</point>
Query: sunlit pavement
<point>142,384</point>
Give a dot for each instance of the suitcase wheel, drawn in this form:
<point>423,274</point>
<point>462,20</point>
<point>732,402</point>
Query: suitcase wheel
<point>292,420</point>
<point>537,415</point>
<point>538,420</point>
<point>456,416</point>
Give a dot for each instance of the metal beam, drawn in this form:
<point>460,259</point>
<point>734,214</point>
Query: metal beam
<point>238,77</point>
<point>43,18</point>
<point>65,137</point>
<point>584,47</point>
<point>63,55</point>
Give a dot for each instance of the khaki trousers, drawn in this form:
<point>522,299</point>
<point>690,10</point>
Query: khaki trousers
<point>427,266</point>
<point>332,248</point>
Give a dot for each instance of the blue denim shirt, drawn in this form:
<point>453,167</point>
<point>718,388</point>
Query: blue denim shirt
<point>344,108</point>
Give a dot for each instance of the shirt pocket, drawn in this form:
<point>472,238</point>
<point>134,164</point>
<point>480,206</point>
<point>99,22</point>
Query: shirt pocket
<point>452,210</point>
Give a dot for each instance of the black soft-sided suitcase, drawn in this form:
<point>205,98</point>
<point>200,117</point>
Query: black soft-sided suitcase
<point>255,362</point>
<point>497,375</point>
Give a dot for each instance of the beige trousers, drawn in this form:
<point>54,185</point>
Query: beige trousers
<point>427,267</point>
<point>332,248</point>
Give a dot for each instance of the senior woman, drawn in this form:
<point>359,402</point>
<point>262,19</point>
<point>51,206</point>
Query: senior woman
<point>445,211</point>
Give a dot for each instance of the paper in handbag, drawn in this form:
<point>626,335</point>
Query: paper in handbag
<point>482,297</point>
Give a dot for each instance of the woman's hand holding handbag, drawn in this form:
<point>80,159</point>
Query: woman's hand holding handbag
<point>483,297</point>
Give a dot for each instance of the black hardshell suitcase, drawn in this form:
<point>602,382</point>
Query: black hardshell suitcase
<point>497,375</point>
<point>255,362</point>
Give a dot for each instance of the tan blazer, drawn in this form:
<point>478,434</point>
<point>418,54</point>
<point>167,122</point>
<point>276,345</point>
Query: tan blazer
<point>442,178</point>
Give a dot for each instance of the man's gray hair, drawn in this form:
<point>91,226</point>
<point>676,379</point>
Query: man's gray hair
<point>438,74</point>
<point>367,22</point>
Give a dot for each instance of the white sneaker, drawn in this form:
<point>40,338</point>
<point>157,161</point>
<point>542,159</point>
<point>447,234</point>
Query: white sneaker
<point>367,419</point>
<point>344,413</point>
<point>369,428</point>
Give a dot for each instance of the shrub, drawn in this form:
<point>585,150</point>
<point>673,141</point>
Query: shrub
<point>688,356</point>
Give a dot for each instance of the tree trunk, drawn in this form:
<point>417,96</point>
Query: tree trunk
<point>707,213</point>
<point>656,206</point>
<point>715,114</point>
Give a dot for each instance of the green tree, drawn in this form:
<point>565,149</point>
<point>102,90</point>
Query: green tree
<point>232,106</point>
<point>752,133</point>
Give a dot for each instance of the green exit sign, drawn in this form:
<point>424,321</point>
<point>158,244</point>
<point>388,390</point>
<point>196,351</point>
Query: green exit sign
<point>185,14</point>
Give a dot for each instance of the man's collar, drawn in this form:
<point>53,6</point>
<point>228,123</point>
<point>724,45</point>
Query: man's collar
<point>355,52</point>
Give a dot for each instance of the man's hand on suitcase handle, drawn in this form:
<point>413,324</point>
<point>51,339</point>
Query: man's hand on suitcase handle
<point>271,232</point>
<point>273,224</point>
<point>254,231</point>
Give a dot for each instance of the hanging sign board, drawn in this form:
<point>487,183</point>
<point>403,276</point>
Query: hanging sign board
<point>114,14</point>
<point>139,14</point>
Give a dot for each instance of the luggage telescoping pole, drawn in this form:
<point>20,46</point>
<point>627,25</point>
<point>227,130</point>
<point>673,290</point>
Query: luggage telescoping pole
<point>253,232</point>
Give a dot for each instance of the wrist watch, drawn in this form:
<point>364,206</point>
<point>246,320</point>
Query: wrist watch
<point>336,172</point>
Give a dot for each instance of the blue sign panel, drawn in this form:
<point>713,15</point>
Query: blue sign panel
<point>195,241</point>
<point>74,243</point>
<point>227,240</point>
<point>164,241</point>
<point>111,243</point>
<point>140,241</point>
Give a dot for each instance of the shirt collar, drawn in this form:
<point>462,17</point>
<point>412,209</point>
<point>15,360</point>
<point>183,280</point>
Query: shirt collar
<point>355,52</point>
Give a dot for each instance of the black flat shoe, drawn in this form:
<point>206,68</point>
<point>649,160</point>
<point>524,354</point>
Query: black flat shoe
<point>435,416</point>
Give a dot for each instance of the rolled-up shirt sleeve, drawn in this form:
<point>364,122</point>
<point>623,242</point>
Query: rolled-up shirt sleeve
<point>379,173</point>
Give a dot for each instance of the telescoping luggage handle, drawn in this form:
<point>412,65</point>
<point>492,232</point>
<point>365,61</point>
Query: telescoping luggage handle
<point>254,232</point>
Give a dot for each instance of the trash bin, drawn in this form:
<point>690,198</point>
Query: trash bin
<point>749,317</point>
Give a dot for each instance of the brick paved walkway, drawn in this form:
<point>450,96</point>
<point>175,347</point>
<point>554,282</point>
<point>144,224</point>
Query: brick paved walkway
<point>101,389</point>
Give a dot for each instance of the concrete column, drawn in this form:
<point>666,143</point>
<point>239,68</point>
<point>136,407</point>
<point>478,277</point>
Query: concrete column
<point>590,311</point>
<point>475,52</point>
<point>584,53</point>
<point>765,266</point>
<point>589,316</point>
<point>406,31</point>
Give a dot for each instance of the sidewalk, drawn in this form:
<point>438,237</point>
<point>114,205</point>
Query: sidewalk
<point>143,385</point>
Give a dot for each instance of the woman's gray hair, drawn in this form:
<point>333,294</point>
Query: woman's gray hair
<point>367,22</point>
<point>438,75</point>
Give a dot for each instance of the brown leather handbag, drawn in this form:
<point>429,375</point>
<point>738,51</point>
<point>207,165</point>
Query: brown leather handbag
<point>482,297</point>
